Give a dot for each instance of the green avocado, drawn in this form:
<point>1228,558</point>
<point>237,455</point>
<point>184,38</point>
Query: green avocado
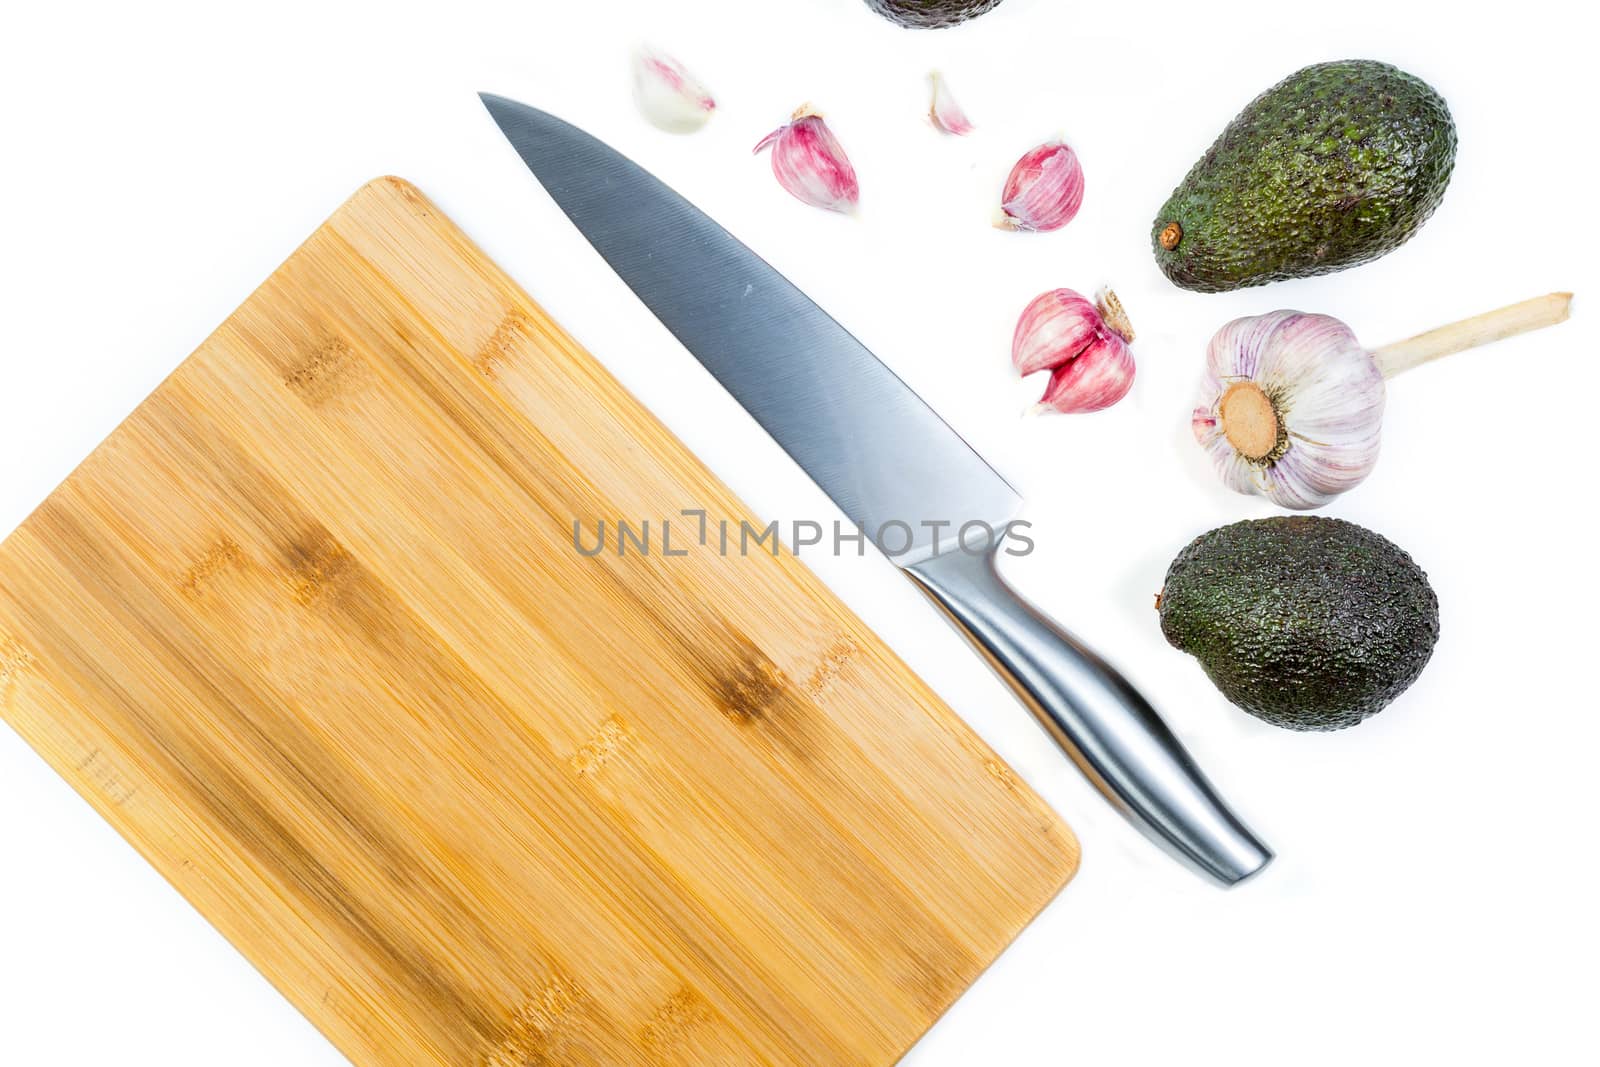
<point>1334,166</point>
<point>1306,622</point>
<point>931,14</point>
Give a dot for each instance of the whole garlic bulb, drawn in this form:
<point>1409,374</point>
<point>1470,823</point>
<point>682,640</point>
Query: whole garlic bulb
<point>1291,405</point>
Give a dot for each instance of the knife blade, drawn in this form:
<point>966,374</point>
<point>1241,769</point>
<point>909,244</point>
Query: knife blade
<point>886,458</point>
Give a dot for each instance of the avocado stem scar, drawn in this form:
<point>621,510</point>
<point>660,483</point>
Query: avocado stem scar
<point>1171,234</point>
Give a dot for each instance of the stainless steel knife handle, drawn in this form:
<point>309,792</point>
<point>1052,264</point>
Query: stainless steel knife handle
<point>1096,715</point>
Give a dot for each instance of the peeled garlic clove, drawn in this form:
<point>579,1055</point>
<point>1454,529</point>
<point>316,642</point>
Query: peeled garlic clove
<point>1290,408</point>
<point>670,97</point>
<point>809,162</point>
<point>946,113</point>
<point>1044,191</point>
<point>1085,346</point>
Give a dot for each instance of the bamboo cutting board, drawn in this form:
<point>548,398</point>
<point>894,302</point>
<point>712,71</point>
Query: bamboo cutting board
<point>310,630</point>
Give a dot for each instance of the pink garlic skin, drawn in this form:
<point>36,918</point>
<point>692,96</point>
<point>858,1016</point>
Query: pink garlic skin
<point>946,113</point>
<point>672,72</point>
<point>1044,191</point>
<point>810,164</point>
<point>1067,334</point>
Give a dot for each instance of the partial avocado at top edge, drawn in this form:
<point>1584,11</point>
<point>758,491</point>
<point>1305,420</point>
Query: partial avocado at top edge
<point>932,14</point>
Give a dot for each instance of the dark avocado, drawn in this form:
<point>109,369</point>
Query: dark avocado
<point>1306,622</point>
<point>1334,166</point>
<point>932,14</point>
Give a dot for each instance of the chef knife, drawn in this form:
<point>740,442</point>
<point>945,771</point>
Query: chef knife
<point>889,462</point>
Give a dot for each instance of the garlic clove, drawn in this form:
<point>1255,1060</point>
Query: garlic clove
<point>1044,190</point>
<point>810,163</point>
<point>1094,381</point>
<point>1290,408</point>
<point>669,96</point>
<point>1053,328</point>
<point>946,113</point>
<point>1085,346</point>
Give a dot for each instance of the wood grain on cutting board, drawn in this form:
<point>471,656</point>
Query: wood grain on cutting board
<point>310,630</point>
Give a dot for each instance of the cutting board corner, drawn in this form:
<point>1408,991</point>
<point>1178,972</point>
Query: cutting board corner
<point>388,187</point>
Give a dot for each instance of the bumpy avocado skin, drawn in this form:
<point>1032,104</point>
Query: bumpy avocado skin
<point>932,14</point>
<point>1306,622</point>
<point>1334,166</point>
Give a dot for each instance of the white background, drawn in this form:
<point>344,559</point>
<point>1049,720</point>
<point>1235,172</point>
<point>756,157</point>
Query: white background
<point>1433,899</point>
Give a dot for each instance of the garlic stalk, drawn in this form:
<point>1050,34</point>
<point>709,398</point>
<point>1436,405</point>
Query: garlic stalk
<point>946,113</point>
<point>1479,330</point>
<point>1291,404</point>
<point>810,164</point>
<point>669,96</point>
